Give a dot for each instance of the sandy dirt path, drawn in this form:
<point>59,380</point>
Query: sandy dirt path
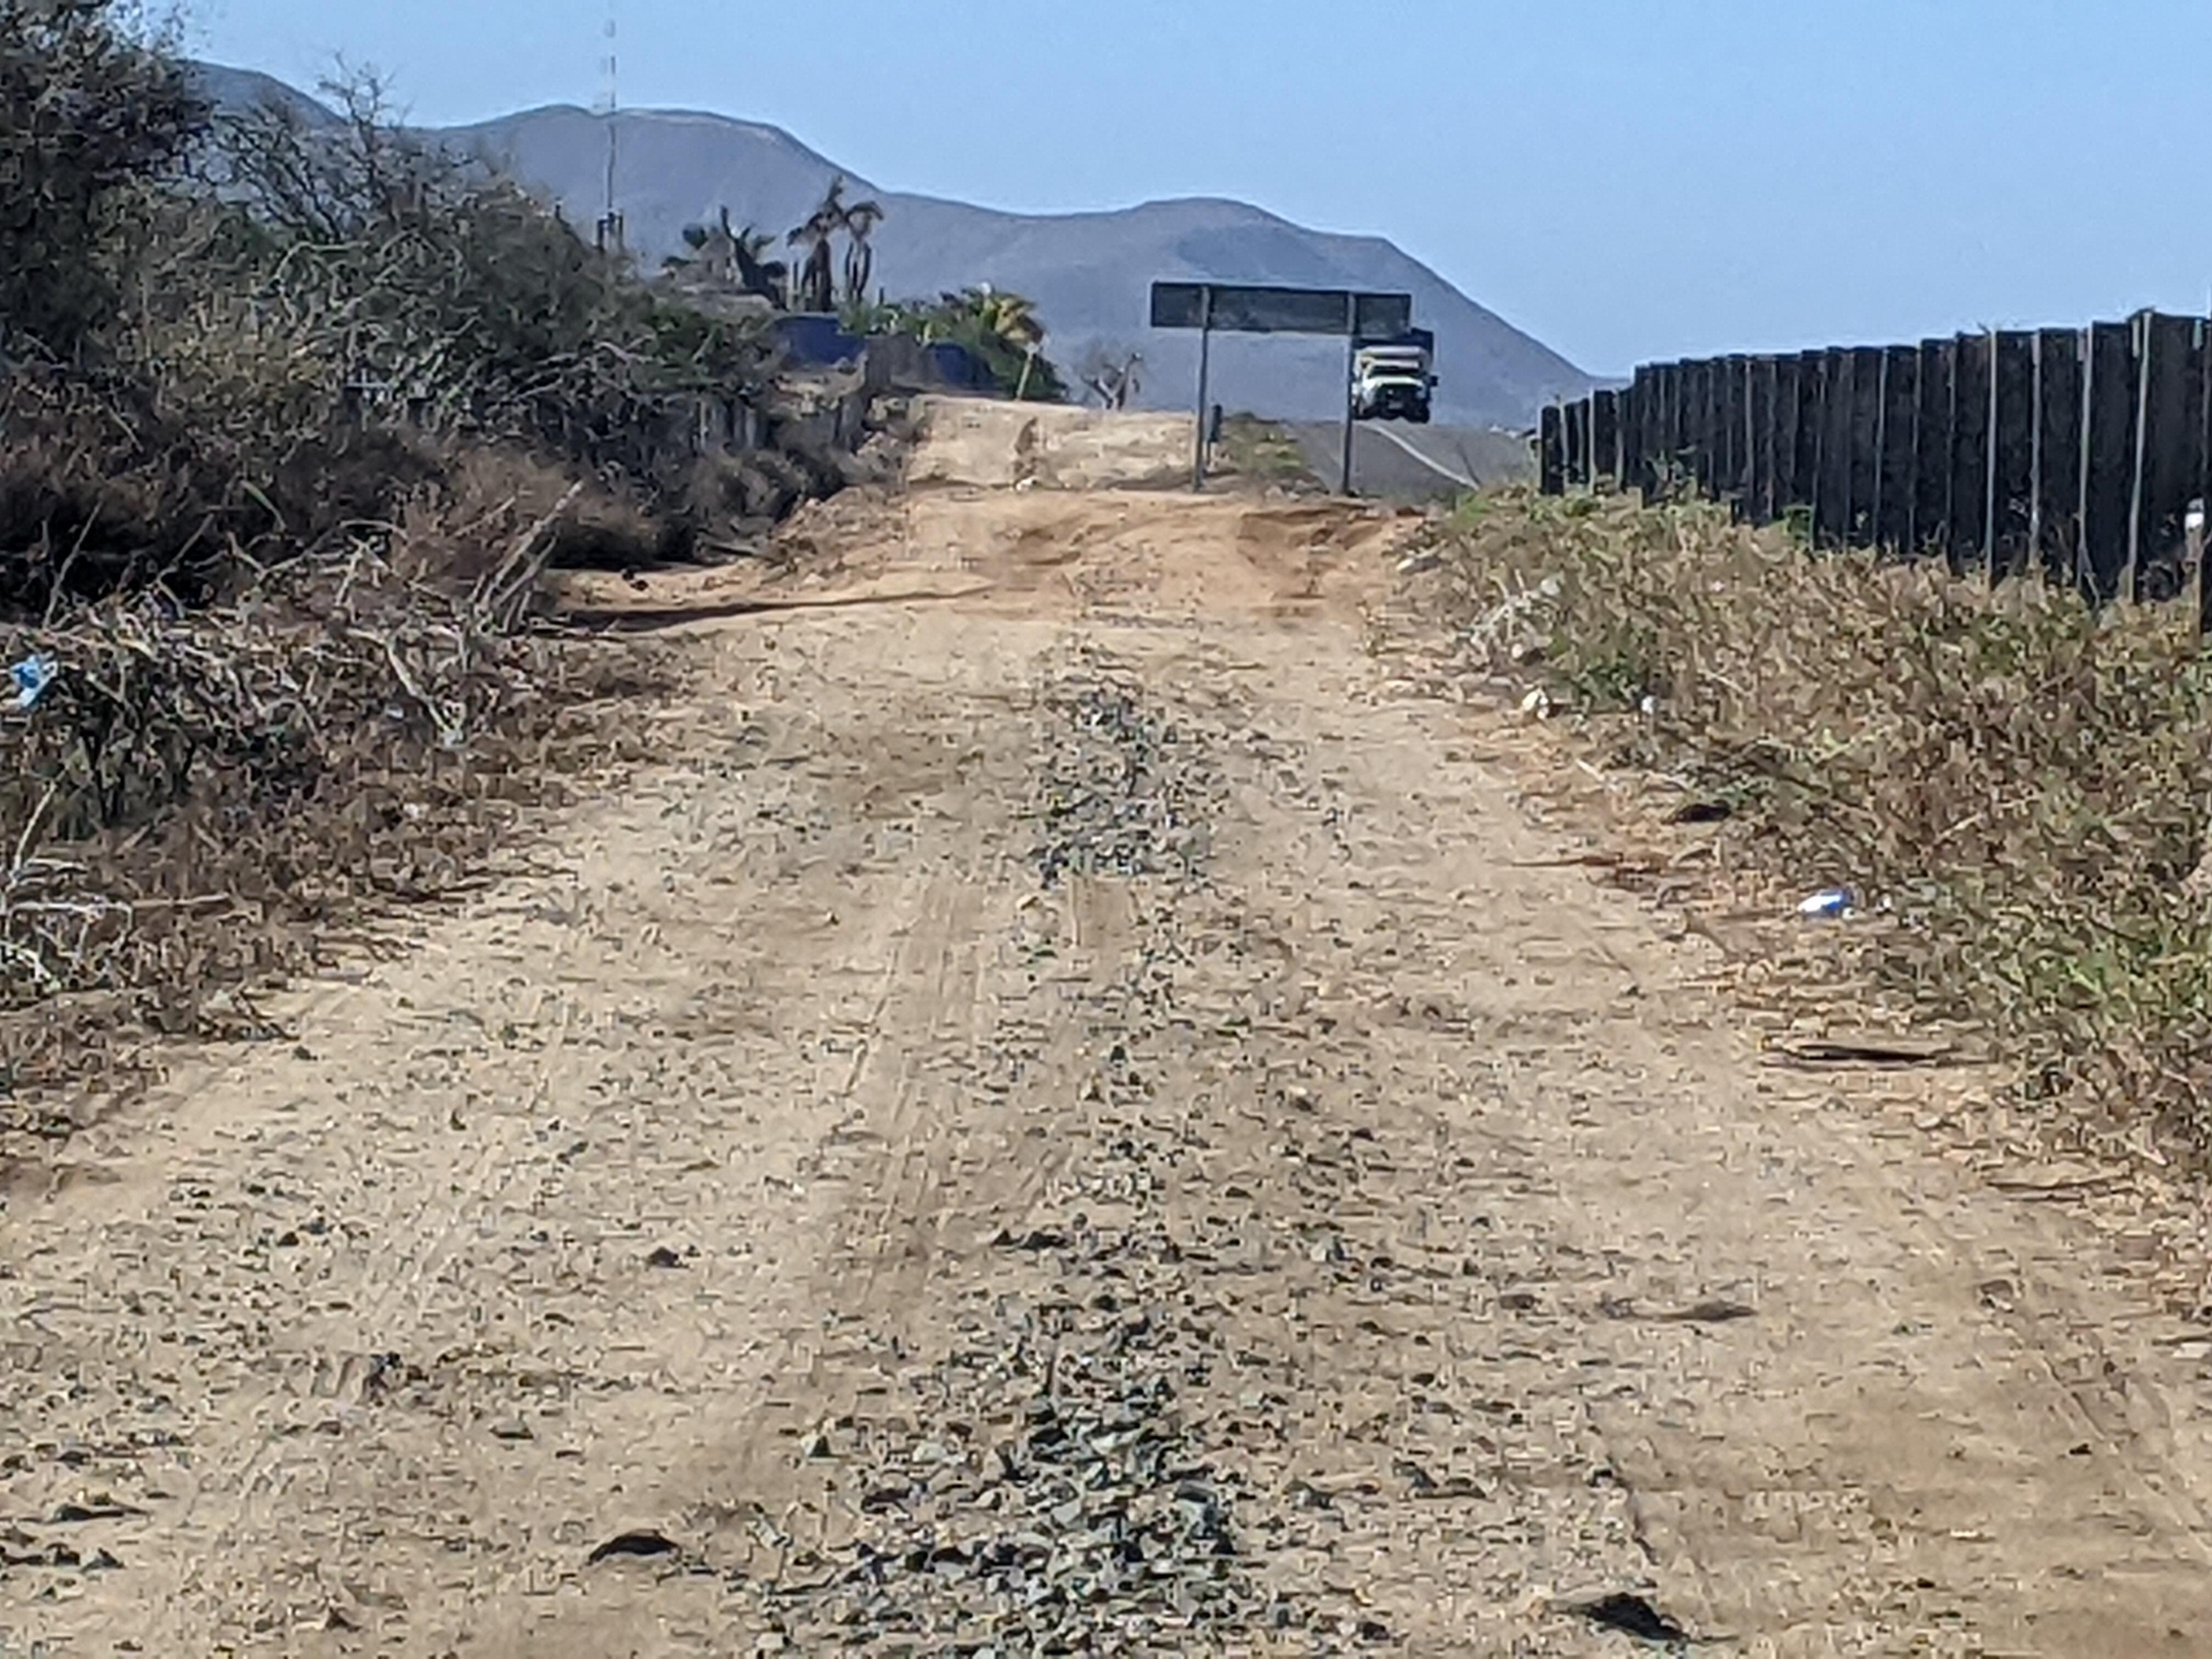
<point>1074,1114</point>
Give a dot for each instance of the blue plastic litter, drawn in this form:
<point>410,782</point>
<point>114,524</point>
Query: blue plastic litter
<point>31,677</point>
<point>1829,902</point>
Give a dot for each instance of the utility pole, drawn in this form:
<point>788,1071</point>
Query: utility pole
<point>609,108</point>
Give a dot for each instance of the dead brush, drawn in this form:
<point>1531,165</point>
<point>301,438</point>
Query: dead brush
<point>56,934</point>
<point>2024,783</point>
<point>203,802</point>
<point>293,416</point>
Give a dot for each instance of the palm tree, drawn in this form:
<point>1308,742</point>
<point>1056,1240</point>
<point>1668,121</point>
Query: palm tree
<point>1008,316</point>
<point>817,280</point>
<point>764,276</point>
<point>699,263</point>
<point>1003,330</point>
<point>723,256</point>
<point>862,219</point>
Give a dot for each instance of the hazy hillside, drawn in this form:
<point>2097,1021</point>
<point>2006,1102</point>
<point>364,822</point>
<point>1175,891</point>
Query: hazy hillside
<point>239,88</point>
<point>1089,272</point>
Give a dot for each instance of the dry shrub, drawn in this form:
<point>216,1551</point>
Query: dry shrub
<point>453,528</point>
<point>1264,452</point>
<point>299,341</point>
<point>107,486</point>
<point>92,107</point>
<point>207,799</point>
<point>758,489</point>
<point>294,414</point>
<point>2023,782</point>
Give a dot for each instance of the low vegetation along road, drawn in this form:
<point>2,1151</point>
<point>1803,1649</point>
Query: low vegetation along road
<point>1075,1111</point>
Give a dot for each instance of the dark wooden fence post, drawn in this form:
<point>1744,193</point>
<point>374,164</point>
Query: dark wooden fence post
<point>1931,450</point>
<point>2171,387</point>
<point>1724,445</point>
<point>1605,438</point>
<point>1681,459</point>
<point>1725,408</point>
<point>1735,444</point>
<point>2108,447</point>
<point>1716,428</point>
<point>1894,494</point>
<point>1788,398</point>
<point>1970,452</point>
<point>1577,424</point>
<point>2204,472</point>
<point>1859,503</point>
<point>1812,437</point>
<point>1683,419</point>
<point>1624,434</point>
<point>2057,528</point>
<point>2201,539</point>
<point>1671,394</point>
<point>1705,401</point>
<point>1633,438</point>
<point>1812,429</point>
<point>1653,424</point>
<point>1764,421</point>
<point>1551,452</point>
<point>2012,451</point>
<point>1742,368</point>
<point>1832,500</point>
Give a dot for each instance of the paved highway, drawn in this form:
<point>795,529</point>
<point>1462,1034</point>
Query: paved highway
<point>1393,460</point>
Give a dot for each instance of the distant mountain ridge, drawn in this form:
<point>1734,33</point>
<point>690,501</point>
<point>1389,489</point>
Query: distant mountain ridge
<point>1089,273</point>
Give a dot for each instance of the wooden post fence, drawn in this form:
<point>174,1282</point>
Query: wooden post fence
<point>2077,454</point>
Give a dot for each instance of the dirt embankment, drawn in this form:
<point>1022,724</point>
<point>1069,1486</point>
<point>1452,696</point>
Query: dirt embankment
<point>969,440</point>
<point>1074,1114</point>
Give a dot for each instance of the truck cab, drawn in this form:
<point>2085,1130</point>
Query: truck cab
<point>1393,380</point>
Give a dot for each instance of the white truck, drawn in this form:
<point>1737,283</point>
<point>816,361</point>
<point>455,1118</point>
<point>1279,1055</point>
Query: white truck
<point>1391,379</point>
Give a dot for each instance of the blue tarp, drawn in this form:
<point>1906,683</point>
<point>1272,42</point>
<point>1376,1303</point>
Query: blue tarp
<point>959,367</point>
<point>816,340</point>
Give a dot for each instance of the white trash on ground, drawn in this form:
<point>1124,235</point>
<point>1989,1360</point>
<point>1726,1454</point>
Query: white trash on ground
<point>1829,902</point>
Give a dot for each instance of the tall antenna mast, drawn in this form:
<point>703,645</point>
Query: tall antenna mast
<point>610,107</point>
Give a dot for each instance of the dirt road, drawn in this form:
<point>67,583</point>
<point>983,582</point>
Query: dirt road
<point>1076,1114</point>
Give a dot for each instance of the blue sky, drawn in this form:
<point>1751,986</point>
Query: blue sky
<point>1626,180</point>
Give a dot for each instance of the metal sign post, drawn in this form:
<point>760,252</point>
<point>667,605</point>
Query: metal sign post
<point>1205,356</point>
<point>1350,382</point>
<point>1354,314</point>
